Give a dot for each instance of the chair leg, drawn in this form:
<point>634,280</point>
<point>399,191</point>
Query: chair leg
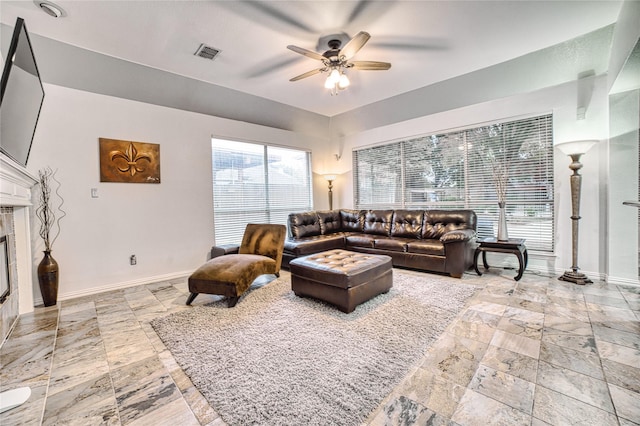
<point>231,302</point>
<point>191,297</point>
<point>277,274</point>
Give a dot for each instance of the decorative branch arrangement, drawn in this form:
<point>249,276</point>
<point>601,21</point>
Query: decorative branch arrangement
<point>500,172</point>
<point>48,214</point>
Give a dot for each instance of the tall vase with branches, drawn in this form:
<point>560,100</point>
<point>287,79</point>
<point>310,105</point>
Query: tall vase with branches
<point>49,212</point>
<point>500,172</point>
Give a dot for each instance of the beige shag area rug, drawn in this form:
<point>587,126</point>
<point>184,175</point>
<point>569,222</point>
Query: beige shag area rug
<point>277,359</point>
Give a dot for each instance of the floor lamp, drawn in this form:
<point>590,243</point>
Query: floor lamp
<point>575,150</point>
<point>330,179</point>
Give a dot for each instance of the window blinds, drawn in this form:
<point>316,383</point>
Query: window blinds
<point>456,170</point>
<point>256,183</point>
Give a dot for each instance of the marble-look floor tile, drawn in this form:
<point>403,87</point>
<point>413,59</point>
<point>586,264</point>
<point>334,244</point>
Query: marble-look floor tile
<point>199,405</point>
<point>526,304</point>
<point>618,353</point>
<point>532,294</point>
<point>627,403</point>
<point>565,312</point>
<point>172,413</point>
<point>29,413</point>
<point>503,387</point>
<point>612,312</point>
<point>575,303</point>
<point>603,320</point>
<point>455,358</point>
<point>489,308</point>
<point>622,375</point>
<point>142,387</point>
<point>127,347</point>
<point>580,362</point>
<point>432,391</point>
<point>522,322</point>
<point>26,361</point>
<point>35,322</point>
<point>513,342</point>
<point>624,338</point>
<point>85,360</point>
<point>518,365</point>
<point>582,343</point>
<point>403,411</point>
<point>557,409</point>
<point>567,325</point>
<point>475,325</point>
<point>579,386</point>
<point>88,403</point>
<point>476,409</point>
<point>573,293</point>
<point>614,302</point>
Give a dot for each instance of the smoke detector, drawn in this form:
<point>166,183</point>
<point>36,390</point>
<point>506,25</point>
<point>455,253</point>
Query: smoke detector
<point>50,8</point>
<point>207,52</point>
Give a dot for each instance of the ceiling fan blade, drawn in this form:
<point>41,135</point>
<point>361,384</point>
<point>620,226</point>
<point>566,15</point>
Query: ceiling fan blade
<point>410,43</point>
<point>370,65</point>
<point>306,74</point>
<point>272,12</point>
<point>355,44</point>
<point>308,53</point>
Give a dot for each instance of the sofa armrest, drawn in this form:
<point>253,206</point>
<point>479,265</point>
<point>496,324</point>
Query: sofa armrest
<point>223,249</point>
<point>459,235</point>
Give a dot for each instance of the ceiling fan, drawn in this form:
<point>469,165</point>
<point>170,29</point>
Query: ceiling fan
<point>336,60</point>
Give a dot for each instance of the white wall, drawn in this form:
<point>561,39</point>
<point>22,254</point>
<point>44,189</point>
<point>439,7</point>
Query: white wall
<point>168,226</point>
<point>562,102</point>
<point>623,186</point>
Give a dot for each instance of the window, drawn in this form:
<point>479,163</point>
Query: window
<point>455,170</point>
<point>256,183</point>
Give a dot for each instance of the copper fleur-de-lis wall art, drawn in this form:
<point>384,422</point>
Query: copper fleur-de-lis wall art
<point>127,161</point>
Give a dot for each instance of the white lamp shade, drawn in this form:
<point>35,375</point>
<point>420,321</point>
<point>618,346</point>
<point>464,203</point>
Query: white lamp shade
<point>330,177</point>
<point>576,147</point>
<point>344,82</point>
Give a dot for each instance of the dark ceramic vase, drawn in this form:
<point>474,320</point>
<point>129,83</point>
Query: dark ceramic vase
<point>48,279</point>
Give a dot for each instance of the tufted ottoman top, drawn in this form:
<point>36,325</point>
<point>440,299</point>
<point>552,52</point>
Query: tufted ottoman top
<point>340,268</point>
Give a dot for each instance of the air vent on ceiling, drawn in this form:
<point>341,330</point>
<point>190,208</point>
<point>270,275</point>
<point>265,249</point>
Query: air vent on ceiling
<point>207,52</point>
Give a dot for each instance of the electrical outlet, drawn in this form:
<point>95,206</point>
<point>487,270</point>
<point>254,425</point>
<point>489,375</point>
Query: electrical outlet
<point>133,260</point>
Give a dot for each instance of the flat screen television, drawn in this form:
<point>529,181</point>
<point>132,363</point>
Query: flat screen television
<point>21,96</point>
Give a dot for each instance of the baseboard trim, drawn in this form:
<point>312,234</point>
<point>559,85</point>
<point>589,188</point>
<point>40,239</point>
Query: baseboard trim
<point>116,286</point>
<point>623,281</point>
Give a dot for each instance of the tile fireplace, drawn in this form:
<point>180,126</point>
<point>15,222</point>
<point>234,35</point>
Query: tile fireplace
<point>15,205</point>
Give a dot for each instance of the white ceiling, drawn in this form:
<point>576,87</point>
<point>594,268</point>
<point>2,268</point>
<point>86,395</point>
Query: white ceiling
<point>425,41</point>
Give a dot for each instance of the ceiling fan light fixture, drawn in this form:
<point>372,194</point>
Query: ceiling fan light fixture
<point>334,76</point>
<point>344,82</point>
<point>328,84</point>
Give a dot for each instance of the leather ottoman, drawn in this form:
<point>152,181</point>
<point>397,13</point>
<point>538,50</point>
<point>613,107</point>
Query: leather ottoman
<point>340,277</point>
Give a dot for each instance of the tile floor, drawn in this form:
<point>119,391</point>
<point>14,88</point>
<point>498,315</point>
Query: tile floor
<point>535,352</point>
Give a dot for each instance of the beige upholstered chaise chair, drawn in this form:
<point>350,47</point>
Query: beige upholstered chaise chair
<point>232,274</point>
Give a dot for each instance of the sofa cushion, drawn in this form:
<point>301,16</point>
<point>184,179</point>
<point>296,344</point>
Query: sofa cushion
<point>433,247</point>
<point>391,244</point>
<point>315,244</point>
<point>329,222</point>
<point>378,222</point>
<point>438,222</point>
<point>351,220</point>
<point>407,223</point>
<point>360,240</point>
<point>304,224</point>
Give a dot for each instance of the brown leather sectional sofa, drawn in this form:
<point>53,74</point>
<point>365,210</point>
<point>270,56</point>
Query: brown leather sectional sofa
<point>429,240</point>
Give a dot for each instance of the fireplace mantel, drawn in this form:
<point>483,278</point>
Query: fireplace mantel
<point>15,191</point>
<point>15,183</point>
